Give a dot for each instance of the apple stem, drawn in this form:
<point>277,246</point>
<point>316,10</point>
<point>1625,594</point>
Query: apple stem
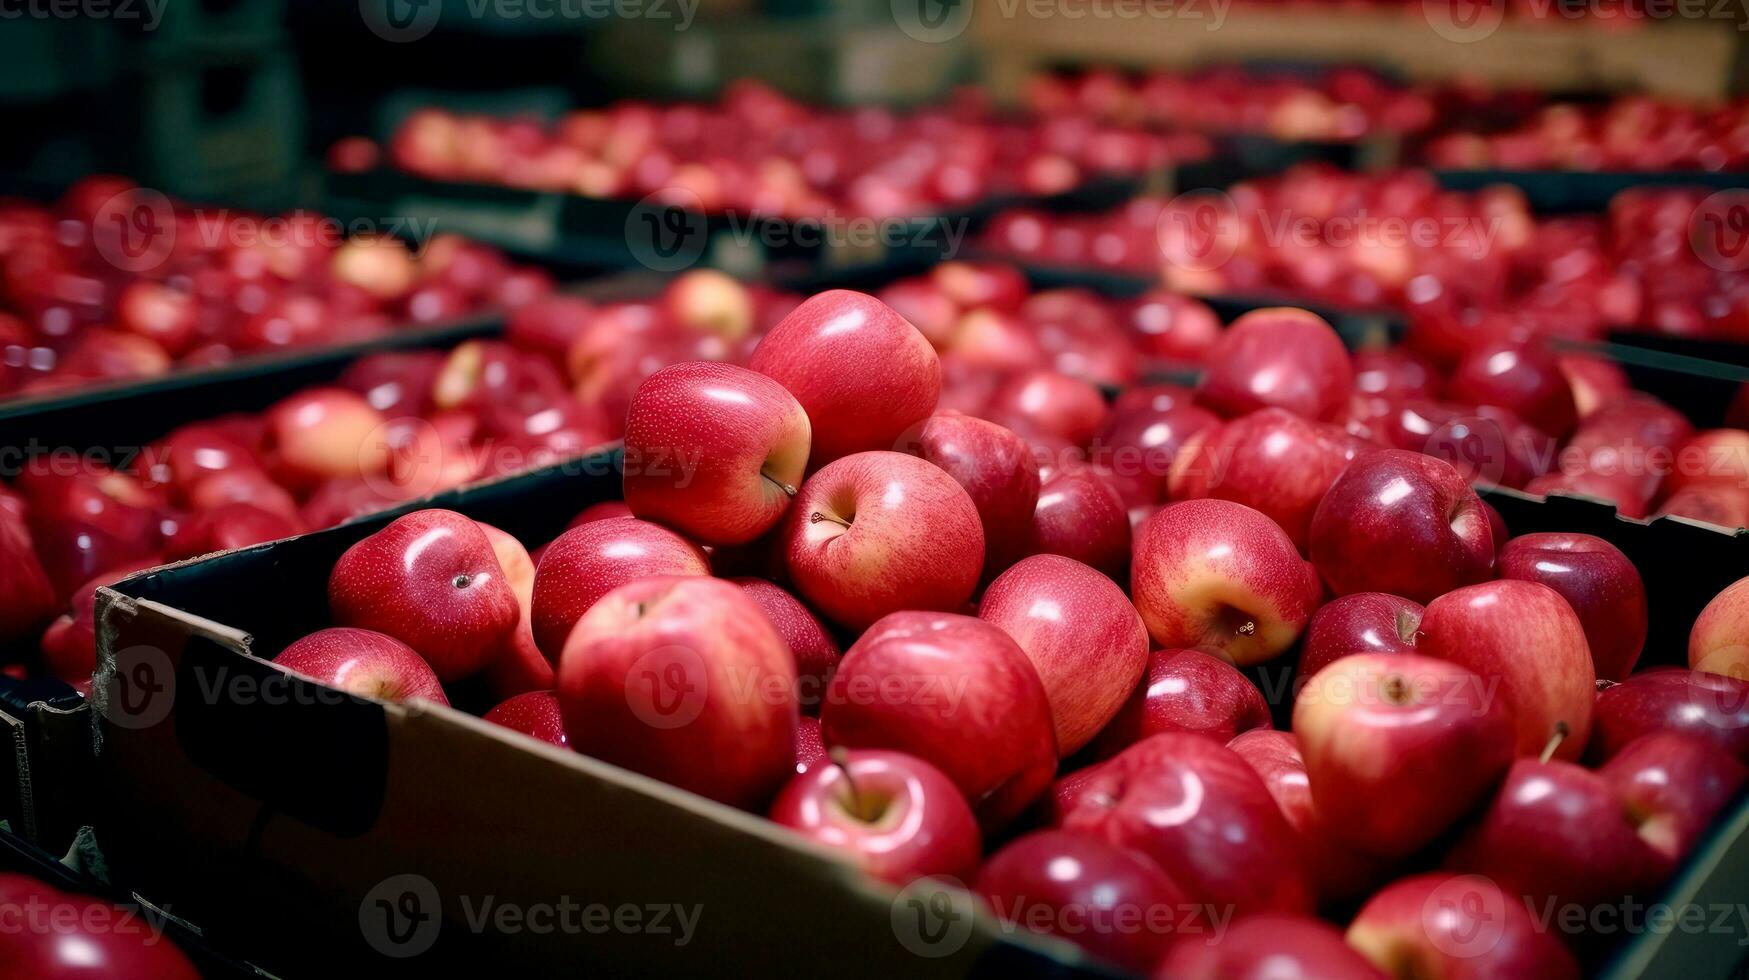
<point>840,758</point>
<point>1555,741</point>
<point>786,488</point>
<point>816,517</point>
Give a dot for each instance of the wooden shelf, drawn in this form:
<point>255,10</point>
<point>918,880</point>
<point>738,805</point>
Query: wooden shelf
<point>1693,58</point>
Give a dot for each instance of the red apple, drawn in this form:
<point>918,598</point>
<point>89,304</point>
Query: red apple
<point>815,651</point>
<point>1526,638</point>
<point>603,511</point>
<point>1082,635</point>
<point>980,284</point>
<point>997,470</point>
<point>1422,733</point>
<point>1277,463</point>
<point>363,662</point>
<point>325,433</point>
<point>431,580</point>
<point>1080,516</point>
<point>711,302</point>
<point>1714,457</point>
<point>161,313</point>
<point>1280,357</point>
<point>1673,785</point>
<point>228,527</point>
<point>714,451</point>
<point>1717,504</point>
<point>1364,622</point>
<point>875,533</point>
<point>956,692</point>
<point>519,667</point>
<point>533,713</point>
<point>1142,439</point>
<point>1218,576</point>
<point>1110,901</point>
<point>810,746</point>
<point>1338,871</point>
<point>1523,378</point>
<point>1186,691</point>
<point>591,560</point>
<point>861,372</point>
<point>1200,813</point>
<point>1672,699</point>
<point>1402,523</point>
<point>56,935</point>
<point>1620,489</point>
<point>660,673</point>
<point>1598,581</point>
<point>893,815</point>
<point>1174,328</point>
<point>1269,947</point>
<point>27,597</point>
<point>1050,405</point>
<point>1457,926</point>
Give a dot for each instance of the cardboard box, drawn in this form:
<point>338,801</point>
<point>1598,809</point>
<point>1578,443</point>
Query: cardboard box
<point>287,819</point>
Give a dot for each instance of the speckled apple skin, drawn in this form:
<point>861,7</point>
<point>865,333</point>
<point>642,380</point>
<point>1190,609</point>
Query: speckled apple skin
<point>533,713</point>
<point>956,692</point>
<point>519,666</point>
<point>1338,872</point>
<point>363,662</point>
<point>1082,635</point>
<point>1280,357</point>
<point>816,653</point>
<point>997,470</point>
<point>1081,516</point>
<point>1526,635</point>
<point>701,439</point>
<point>1719,640</point>
<point>1205,567</point>
<point>1201,813</point>
<point>914,540</point>
<point>402,581</point>
<point>1364,622</point>
<point>591,560</point>
<point>685,680</point>
<point>1436,757</point>
<point>1403,523</point>
<point>1278,464</point>
<point>863,374</point>
<point>1598,581</point>
<point>1185,691</point>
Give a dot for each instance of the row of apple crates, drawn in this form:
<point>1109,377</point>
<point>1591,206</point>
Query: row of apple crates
<point>258,827</point>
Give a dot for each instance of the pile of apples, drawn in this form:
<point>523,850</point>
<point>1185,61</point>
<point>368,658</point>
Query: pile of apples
<point>85,299</point>
<point>1486,263</point>
<point>758,151</point>
<point>1632,133</point>
<point>825,599</point>
<point>1346,103</point>
<point>394,427</point>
